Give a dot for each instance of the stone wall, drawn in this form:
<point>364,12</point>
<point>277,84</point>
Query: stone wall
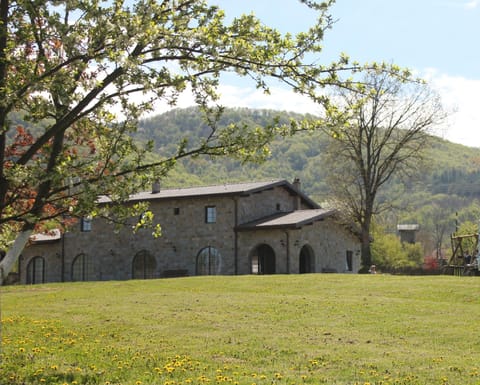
<point>327,240</point>
<point>106,254</point>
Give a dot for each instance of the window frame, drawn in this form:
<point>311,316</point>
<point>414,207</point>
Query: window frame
<point>86,224</point>
<point>349,260</point>
<point>210,214</point>
<point>208,261</point>
<point>144,265</point>
<point>36,270</point>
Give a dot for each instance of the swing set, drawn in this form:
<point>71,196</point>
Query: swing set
<point>465,256</point>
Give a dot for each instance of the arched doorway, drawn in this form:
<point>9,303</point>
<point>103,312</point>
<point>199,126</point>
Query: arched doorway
<point>306,261</point>
<point>262,260</point>
<point>143,265</point>
<point>36,270</point>
<point>209,261</point>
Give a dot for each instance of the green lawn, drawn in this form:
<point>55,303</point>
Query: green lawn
<point>296,329</point>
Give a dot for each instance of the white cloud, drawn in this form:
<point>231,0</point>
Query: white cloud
<point>460,95</point>
<point>278,99</point>
<point>471,4</point>
<point>467,5</point>
<point>237,96</point>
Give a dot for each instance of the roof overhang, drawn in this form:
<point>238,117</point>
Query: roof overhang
<point>289,220</point>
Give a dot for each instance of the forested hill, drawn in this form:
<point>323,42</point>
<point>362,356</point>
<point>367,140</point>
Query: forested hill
<point>453,169</point>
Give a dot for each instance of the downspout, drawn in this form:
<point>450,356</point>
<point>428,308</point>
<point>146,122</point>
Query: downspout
<point>288,250</point>
<point>235,235</point>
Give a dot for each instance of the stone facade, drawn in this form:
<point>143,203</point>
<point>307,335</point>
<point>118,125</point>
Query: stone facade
<point>259,228</point>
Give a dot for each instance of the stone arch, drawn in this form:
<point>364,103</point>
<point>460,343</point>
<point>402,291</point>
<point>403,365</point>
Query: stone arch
<point>262,260</point>
<point>36,270</point>
<point>81,268</point>
<point>306,263</point>
<point>208,261</point>
<point>144,265</point>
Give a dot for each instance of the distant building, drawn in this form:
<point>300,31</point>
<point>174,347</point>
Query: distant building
<point>408,232</point>
<point>245,228</point>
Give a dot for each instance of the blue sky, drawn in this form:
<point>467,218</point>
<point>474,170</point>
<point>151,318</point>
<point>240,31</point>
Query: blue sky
<point>438,39</point>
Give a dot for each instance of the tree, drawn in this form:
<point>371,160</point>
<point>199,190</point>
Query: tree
<point>382,130</point>
<point>81,74</point>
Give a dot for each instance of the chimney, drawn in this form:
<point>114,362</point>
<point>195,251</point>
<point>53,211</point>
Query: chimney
<point>156,186</point>
<point>297,184</point>
<point>298,200</point>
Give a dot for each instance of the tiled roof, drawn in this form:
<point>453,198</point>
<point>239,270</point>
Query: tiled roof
<point>216,190</point>
<point>294,219</point>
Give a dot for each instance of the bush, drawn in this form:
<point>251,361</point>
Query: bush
<point>390,255</point>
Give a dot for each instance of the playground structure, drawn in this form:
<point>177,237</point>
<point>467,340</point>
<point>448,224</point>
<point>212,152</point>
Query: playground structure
<point>465,255</point>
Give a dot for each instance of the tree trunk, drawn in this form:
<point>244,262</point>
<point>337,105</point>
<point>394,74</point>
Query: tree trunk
<point>7,263</point>
<point>366,251</point>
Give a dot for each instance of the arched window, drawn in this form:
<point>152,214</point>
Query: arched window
<point>144,265</point>
<point>81,268</point>
<point>209,261</point>
<point>36,270</point>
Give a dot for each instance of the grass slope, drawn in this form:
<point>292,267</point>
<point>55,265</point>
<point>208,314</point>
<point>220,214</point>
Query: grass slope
<point>296,329</point>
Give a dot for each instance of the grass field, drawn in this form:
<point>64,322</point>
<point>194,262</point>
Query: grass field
<point>296,329</point>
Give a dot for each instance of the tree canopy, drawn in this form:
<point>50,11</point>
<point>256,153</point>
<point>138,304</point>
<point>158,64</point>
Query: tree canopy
<point>83,72</point>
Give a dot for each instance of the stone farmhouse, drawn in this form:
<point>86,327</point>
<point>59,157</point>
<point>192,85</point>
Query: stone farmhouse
<point>245,228</point>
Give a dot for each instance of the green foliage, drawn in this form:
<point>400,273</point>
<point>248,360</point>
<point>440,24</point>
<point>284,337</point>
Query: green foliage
<point>386,250</point>
<point>293,329</point>
<point>411,200</point>
<point>389,254</point>
<point>81,74</point>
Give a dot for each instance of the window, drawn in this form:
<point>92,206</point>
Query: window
<point>349,260</point>
<point>36,270</point>
<point>176,211</point>
<point>144,265</point>
<point>278,207</point>
<point>81,268</point>
<point>208,261</point>
<point>210,214</point>
<point>86,224</point>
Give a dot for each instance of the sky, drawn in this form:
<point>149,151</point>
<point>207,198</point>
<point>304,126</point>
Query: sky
<point>437,39</point>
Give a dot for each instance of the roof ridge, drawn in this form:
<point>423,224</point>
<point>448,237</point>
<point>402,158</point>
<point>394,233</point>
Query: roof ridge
<point>223,184</point>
